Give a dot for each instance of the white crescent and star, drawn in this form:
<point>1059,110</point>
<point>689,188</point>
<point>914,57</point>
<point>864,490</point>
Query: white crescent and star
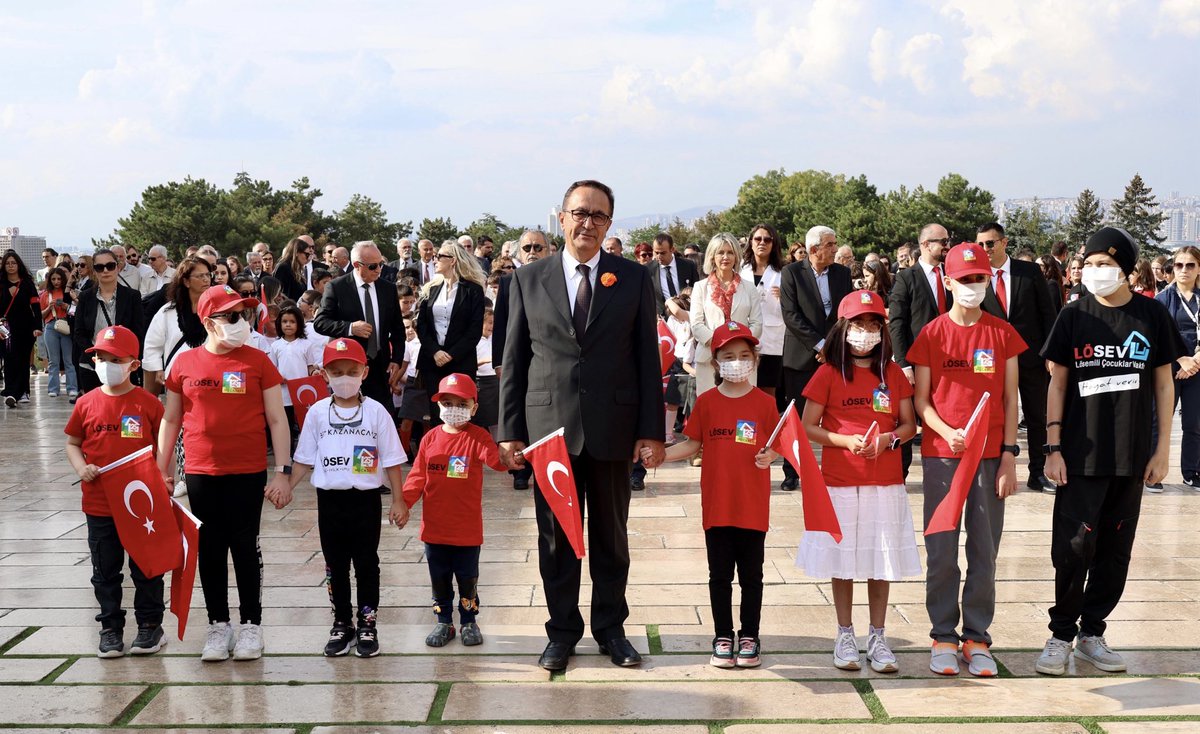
<point>311,389</point>
<point>133,488</point>
<point>796,453</point>
<point>557,467</point>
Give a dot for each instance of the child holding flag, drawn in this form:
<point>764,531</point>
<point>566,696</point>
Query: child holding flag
<point>448,475</point>
<point>106,425</point>
<point>959,356</point>
<point>859,408</point>
<point>348,442</point>
<point>732,424</point>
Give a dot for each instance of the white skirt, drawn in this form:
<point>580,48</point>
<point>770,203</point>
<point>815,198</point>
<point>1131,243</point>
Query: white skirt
<point>878,541</point>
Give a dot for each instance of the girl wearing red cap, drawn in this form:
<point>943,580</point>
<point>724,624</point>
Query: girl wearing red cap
<point>859,408</point>
<point>959,356</point>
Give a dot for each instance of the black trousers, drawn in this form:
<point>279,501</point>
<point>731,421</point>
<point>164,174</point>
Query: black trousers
<point>794,382</point>
<point>1095,520</point>
<point>376,384</point>
<point>1033,381</point>
<point>349,522</point>
<point>230,506</point>
<point>16,364</point>
<point>108,558</point>
<point>603,487</point>
<point>447,564</point>
<point>730,548</point>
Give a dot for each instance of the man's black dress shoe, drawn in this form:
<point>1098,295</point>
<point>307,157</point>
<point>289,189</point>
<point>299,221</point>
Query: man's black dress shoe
<point>621,652</point>
<point>520,483</point>
<point>1041,484</point>
<point>791,484</point>
<point>637,485</point>
<point>555,656</point>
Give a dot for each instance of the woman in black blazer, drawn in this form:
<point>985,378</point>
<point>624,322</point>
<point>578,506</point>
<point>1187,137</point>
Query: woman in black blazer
<point>108,304</point>
<point>450,319</point>
<point>292,269</point>
<point>22,319</point>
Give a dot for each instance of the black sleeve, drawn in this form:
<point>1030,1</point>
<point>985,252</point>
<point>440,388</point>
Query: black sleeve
<point>465,346</point>
<point>500,320</point>
<point>1168,344</point>
<point>1057,348</point>
<point>899,317</point>
<point>328,321</point>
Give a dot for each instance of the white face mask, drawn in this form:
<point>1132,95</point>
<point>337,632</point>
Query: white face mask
<point>970,295</point>
<point>112,373</point>
<point>1103,280</point>
<point>737,370</point>
<point>345,386</point>
<point>454,415</point>
<point>863,341</point>
<point>234,335</point>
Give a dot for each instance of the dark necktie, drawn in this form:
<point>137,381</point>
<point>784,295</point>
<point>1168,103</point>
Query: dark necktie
<point>670,282</point>
<point>369,310</point>
<point>583,301</point>
<point>940,290</point>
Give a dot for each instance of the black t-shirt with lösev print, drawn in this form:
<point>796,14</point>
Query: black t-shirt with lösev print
<point>1111,353</point>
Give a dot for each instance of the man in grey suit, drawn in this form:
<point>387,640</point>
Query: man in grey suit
<point>581,353</point>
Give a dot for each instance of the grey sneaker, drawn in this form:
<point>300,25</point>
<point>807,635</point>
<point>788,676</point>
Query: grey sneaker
<point>1096,651</point>
<point>943,658</point>
<point>217,643</point>
<point>845,652</point>
<point>112,644</point>
<point>879,655</point>
<point>150,639</point>
<point>1054,657</point>
<point>471,635</point>
<point>249,643</point>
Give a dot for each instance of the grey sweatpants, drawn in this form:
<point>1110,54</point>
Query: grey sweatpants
<point>983,518</point>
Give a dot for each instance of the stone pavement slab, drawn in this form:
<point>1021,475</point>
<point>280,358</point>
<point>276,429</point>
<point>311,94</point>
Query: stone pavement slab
<point>509,729</point>
<point>1041,697</point>
<point>64,704</point>
<point>1140,662</point>
<point>27,670</point>
<point>1036,727</point>
<point>1151,727</point>
<point>301,704</point>
<point>782,666</point>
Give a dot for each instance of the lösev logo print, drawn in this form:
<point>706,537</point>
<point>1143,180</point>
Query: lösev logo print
<point>1136,348</point>
<point>131,426</point>
<point>233,383</point>
<point>458,467</point>
<point>746,432</point>
<point>366,458</point>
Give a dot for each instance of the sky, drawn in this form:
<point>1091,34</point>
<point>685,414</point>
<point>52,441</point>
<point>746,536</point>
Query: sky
<point>455,109</point>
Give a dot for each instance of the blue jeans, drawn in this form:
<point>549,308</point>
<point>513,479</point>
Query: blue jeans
<point>58,351</point>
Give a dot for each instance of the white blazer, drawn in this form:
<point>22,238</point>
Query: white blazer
<point>706,316</point>
<point>771,341</point>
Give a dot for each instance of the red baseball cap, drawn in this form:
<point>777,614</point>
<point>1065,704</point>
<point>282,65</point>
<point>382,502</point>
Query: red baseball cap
<point>222,298</point>
<point>858,303</point>
<point>343,348</point>
<point>117,341</point>
<point>968,258</point>
<point>729,331</point>
<point>456,384</point>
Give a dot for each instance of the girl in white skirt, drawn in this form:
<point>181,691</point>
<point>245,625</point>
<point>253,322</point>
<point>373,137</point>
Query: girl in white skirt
<point>859,408</point>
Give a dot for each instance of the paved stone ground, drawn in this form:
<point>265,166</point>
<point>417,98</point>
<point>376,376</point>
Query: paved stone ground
<point>49,676</point>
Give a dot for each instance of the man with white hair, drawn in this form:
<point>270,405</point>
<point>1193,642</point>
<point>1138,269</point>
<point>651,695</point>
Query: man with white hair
<point>845,256</point>
<point>405,257</point>
<point>155,273</point>
<point>341,262</point>
<point>255,267</point>
<point>467,243</point>
<point>128,274</point>
<point>426,265</point>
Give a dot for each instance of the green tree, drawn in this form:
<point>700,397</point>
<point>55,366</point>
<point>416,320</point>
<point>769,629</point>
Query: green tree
<point>960,207</point>
<point>643,234</point>
<point>761,199</point>
<point>1029,227</point>
<point>363,218</point>
<point>706,227</point>
<point>1088,217</point>
<point>489,224</point>
<point>178,214</point>
<point>681,234</point>
<point>437,230</point>
<point>902,213</point>
<point>1137,211</point>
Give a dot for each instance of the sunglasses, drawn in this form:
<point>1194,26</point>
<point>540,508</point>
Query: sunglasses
<point>531,248</point>
<point>1184,266</point>
<point>103,267</point>
<point>246,294</point>
<point>507,267</point>
<point>232,317</point>
<point>767,240</point>
<point>444,256</point>
<point>371,266</point>
<point>987,244</point>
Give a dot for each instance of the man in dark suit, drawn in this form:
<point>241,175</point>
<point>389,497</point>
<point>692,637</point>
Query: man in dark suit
<point>810,291</point>
<point>669,273</point>
<point>425,265</point>
<point>364,306</point>
<point>582,354</point>
<point>405,256</point>
<point>1018,294</point>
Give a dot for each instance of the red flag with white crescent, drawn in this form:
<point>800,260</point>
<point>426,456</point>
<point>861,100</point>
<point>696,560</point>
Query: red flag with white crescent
<point>552,469</point>
<point>666,346</point>
<point>305,392</point>
<point>141,510</point>
<point>949,510</point>
<point>183,578</point>
<point>791,441</point>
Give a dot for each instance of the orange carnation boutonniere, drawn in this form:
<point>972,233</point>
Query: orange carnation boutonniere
<point>608,280</point>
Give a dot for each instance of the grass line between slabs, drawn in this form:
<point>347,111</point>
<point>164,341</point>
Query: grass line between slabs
<point>136,705</point>
<point>1092,726</point>
<point>53,674</point>
<point>438,707</point>
<point>653,640</point>
<point>21,637</point>
<point>867,692</point>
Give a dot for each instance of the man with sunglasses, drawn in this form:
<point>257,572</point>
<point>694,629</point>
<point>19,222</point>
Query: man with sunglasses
<point>156,271</point>
<point>669,274</point>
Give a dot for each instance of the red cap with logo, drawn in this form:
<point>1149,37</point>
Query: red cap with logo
<point>220,299</point>
<point>729,331</point>
<point>117,341</point>
<point>456,384</point>
<point>858,303</point>
<point>343,348</point>
<point>968,258</point>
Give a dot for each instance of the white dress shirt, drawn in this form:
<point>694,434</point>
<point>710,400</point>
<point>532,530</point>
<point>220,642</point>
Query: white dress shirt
<point>662,277</point>
<point>773,327</point>
<point>442,307</point>
<point>1006,268</point>
<point>574,278</point>
<point>358,288</point>
<point>933,277</point>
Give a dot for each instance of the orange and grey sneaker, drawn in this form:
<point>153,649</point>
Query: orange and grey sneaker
<point>980,662</point>
<point>943,658</point>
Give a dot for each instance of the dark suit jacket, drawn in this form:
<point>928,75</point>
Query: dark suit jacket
<point>605,388</point>
<point>804,313</point>
<point>1030,308</point>
<point>129,314</point>
<point>911,305</point>
<point>341,306</point>
<point>462,335</point>
<point>500,319</point>
<point>688,275</point>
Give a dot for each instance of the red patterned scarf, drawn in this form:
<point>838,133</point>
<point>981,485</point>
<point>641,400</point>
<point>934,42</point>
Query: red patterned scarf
<point>723,296</point>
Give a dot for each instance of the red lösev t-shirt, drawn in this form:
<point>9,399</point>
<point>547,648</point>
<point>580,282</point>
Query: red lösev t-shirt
<point>112,426</point>
<point>448,475</point>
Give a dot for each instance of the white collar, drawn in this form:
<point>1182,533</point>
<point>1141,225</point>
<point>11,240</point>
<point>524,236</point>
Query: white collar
<point>358,281</point>
<point>570,263</point>
<point>1006,268</point>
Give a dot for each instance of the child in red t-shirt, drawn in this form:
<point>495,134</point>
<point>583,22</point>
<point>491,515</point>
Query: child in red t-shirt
<point>959,356</point>
<point>448,475</point>
<point>732,424</point>
<point>859,386</point>
<point>106,425</point>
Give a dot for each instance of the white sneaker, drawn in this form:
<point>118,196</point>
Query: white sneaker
<point>249,643</point>
<point>218,643</point>
<point>1054,657</point>
<point>845,652</point>
<point>180,489</point>
<point>1096,651</point>
<point>879,655</point>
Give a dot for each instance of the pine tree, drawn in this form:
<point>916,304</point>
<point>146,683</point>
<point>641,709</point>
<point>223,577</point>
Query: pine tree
<point>1088,218</point>
<point>1137,211</point>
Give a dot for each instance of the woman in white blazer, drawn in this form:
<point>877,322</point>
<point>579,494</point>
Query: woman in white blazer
<point>723,296</point>
<point>762,265</point>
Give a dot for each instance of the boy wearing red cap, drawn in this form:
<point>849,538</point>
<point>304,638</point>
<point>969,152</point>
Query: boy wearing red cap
<point>105,425</point>
<point>349,441</point>
<point>959,356</point>
<point>448,475</point>
<point>732,425</point>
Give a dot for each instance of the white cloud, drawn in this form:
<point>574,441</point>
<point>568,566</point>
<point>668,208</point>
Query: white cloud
<point>1179,16</point>
<point>880,57</point>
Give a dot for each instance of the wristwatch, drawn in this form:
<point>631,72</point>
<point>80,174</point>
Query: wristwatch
<point>895,444</point>
<point>1051,448</point>
<point>285,470</point>
<point>1013,449</point>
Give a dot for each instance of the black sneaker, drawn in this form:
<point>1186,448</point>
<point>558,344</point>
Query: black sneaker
<point>791,484</point>
<point>150,639</point>
<point>368,642</point>
<point>112,644</point>
<point>341,639</point>
<point>1192,480</point>
<point>520,483</point>
<point>10,401</point>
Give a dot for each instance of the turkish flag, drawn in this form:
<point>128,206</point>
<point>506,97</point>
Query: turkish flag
<point>306,391</point>
<point>790,440</point>
<point>183,578</point>
<point>666,346</point>
<point>141,508</point>
<point>552,471</point>
<point>949,510</point>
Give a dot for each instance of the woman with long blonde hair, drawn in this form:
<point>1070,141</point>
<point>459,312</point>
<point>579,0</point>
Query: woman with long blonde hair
<point>450,318</point>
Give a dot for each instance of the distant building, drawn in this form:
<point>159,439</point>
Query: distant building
<point>29,247</point>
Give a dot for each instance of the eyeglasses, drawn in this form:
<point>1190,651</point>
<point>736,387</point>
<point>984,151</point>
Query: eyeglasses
<point>371,266</point>
<point>153,258</point>
<point>766,240</point>
<point>599,219</point>
<point>102,267</point>
<point>232,317</point>
<point>246,294</point>
<point>445,256</point>
<point>644,256</point>
<point>943,241</point>
<point>987,244</point>
<point>532,248</point>
<point>507,267</point>
<point>1184,266</point>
